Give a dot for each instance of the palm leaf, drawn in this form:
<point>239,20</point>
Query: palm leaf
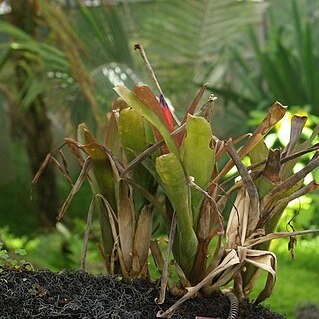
<point>191,42</point>
<point>283,64</point>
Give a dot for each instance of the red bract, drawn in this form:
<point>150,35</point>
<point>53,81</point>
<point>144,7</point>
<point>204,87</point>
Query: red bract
<point>167,113</point>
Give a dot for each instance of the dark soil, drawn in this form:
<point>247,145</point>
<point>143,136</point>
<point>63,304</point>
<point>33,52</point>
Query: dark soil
<point>67,294</point>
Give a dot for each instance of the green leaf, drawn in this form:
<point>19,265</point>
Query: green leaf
<point>174,180</point>
<point>132,132</point>
<point>9,28</point>
<point>103,172</point>
<point>198,158</point>
<point>133,139</point>
<point>35,88</point>
<point>259,153</point>
<point>102,182</point>
<point>103,27</point>
<point>4,254</point>
<point>21,252</point>
<point>5,55</point>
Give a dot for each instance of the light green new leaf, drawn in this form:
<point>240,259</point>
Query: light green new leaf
<point>198,158</point>
<point>174,180</point>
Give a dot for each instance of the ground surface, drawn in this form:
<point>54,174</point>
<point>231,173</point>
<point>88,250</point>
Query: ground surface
<point>45,294</point>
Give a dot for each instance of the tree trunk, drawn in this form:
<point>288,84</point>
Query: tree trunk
<point>32,122</point>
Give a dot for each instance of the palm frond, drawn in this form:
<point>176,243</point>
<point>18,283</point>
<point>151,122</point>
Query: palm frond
<point>282,66</point>
<point>186,37</point>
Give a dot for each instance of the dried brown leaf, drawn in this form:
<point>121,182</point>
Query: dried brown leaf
<point>182,277</point>
<point>265,260</point>
<point>221,150</point>
<point>229,261</point>
<point>270,199</point>
<point>297,124</point>
<point>85,169</point>
<point>190,110</point>
<point>113,220</point>
<point>62,169</point>
<point>157,254</point>
<point>237,222</point>
<point>254,211</point>
<point>112,140</point>
<point>142,239</point>
<point>218,256</point>
<point>126,223</point>
<point>226,277</point>
<point>312,186</point>
<point>41,169</point>
<point>164,278</point>
<point>256,241</point>
<point>275,114</point>
<point>273,166</point>
<point>64,162</point>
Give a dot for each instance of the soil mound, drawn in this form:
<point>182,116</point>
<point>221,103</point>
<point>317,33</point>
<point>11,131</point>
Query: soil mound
<point>44,294</point>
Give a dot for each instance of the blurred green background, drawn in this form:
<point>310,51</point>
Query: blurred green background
<point>59,61</point>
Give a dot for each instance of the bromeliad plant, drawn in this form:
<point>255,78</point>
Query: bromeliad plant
<point>146,152</point>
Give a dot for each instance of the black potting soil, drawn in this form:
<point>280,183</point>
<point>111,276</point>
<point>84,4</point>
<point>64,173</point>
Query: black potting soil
<point>45,294</point>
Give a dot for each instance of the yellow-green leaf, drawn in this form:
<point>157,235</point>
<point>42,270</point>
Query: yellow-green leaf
<point>198,158</point>
<point>174,180</point>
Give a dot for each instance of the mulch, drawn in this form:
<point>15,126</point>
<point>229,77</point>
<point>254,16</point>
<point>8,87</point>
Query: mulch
<point>44,294</point>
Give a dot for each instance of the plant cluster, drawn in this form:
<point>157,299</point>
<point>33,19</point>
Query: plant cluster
<point>148,154</point>
<point>13,262</point>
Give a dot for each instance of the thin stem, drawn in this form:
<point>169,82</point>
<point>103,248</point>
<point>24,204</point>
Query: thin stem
<point>139,47</point>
